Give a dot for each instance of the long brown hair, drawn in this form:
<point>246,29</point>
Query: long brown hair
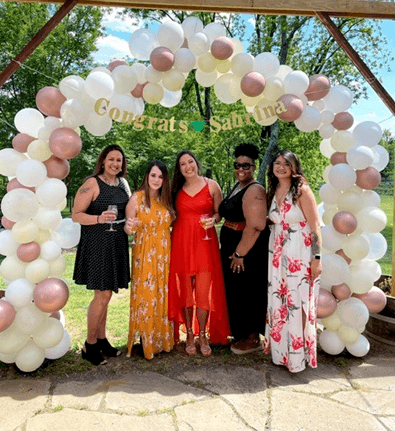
<point>164,191</point>
<point>297,176</point>
<point>99,168</point>
<point>179,179</point>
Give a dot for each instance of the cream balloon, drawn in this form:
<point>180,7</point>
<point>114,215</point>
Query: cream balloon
<point>28,319</point>
<point>12,268</point>
<point>348,334</point>
<point>39,150</point>
<point>30,357</point>
<point>334,269</point>
<point>37,271</point>
<point>329,194</point>
<point>47,218</point>
<point>31,173</point>
<point>173,80</point>
<point>356,247</point>
<point>60,349</point>
<point>9,160</point>
<point>29,121</point>
<point>372,219</point>
<point>25,231</point>
<point>152,93</point>
<point>48,335</point>
<point>51,192</point>
<point>206,63</point>
<point>332,322</point>
<point>342,141</point>
<point>12,340</point>
<point>57,267</point>
<point>242,64</point>
<point>353,312</point>
<point>350,201</point>
<point>359,281</point>
<point>326,148</point>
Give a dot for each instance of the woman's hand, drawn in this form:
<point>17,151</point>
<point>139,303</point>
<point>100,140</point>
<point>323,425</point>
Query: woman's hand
<point>316,269</point>
<point>209,222</point>
<point>107,217</point>
<point>131,225</point>
<point>237,263</point>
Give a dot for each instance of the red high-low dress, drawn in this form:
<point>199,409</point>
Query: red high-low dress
<point>196,278</point>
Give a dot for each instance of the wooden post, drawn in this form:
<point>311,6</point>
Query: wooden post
<point>393,243</point>
<point>36,40</point>
<point>357,60</point>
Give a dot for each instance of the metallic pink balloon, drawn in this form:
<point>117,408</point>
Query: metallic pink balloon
<point>344,222</point>
<point>21,141</point>
<point>368,178</point>
<point>7,223</point>
<point>51,295</point>
<point>318,88</point>
<point>222,48</point>
<point>341,291</point>
<point>7,315</point>
<point>28,252</point>
<point>252,84</point>
<point>162,59</point>
<point>375,300</point>
<point>338,158</point>
<point>293,108</point>
<point>57,168</point>
<point>327,304</point>
<point>65,143</point>
<point>343,255</point>
<point>49,100</point>
<point>15,184</point>
<point>137,92</point>
<point>55,315</point>
<point>343,121</point>
<point>117,62</point>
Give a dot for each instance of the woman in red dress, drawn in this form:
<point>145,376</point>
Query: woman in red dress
<point>196,286</point>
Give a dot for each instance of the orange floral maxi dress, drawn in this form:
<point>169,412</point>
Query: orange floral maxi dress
<point>149,285</point>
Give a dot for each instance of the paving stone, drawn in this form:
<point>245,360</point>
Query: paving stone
<point>80,394</point>
<point>296,411</point>
<point>377,402</point>
<point>149,392</point>
<point>389,422</point>
<point>21,399</point>
<point>79,420</point>
<point>208,415</point>
<point>320,380</point>
<point>377,373</point>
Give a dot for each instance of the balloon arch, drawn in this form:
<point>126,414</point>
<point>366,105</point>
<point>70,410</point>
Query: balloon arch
<point>31,320</point>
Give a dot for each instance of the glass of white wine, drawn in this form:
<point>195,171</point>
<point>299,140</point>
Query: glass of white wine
<point>114,209</point>
<point>204,219</point>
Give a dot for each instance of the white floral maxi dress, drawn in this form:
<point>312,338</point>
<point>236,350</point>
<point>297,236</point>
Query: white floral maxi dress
<point>290,290</point>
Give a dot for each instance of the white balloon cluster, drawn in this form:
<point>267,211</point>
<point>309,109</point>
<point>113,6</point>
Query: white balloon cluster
<point>351,238</point>
<point>30,316</point>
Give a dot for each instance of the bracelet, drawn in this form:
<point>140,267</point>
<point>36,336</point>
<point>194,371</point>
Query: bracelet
<point>238,256</point>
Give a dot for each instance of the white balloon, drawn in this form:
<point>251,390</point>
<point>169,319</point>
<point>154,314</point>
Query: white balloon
<point>353,312</point>
<point>371,219</point>
<point>266,64</point>
<point>309,120</point>
<point>60,349</point>
<point>98,125</point>
<point>199,43</point>
<point>142,42</point>
<point>214,30</point>
<point>283,71</point>
<point>356,247</point>
<point>327,116</point>
<point>370,198</point>
<point>74,113</point>
<point>28,319</point>
<point>242,64</point>
<point>360,280</point>
<point>125,79</point>
<point>49,335</point>
<point>191,25</point>
<point>19,204</point>
<point>381,157</point>
<point>342,176</point>
<point>122,105</point>
<point>72,86</point>
<point>47,218</point>
<point>339,99</point>
<point>326,131</point>
<point>170,98</point>
<point>331,342</point>
<point>12,268</point>
<point>153,75</point>
<point>19,292</point>
<point>9,160</point>
<point>296,82</point>
<point>227,88</point>
<point>68,234</point>
<point>50,250</point>
<point>371,266</point>
<point>29,121</point>
<point>170,35</point>
<point>30,357</point>
<point>8,244</point>
<point>359,156</point>
<point>184,60</point>
<point>139,69</point>
<point>377,245</point>
<point>350,201</point>
<point>51,192</point>
<point>325,173</point>
<point>31,173</point>
<point>206,79</point>
<point>99,84</point>
<point>360,348</point>
<point>331,239</point>
<point>12,340</point>
<point>368,133</point>
<point>237,46</point>
<point>334,269</point>
<point>319,104</point>
<point>326,148</point>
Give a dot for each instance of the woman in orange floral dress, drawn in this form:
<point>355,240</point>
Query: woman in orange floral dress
<point>149,215</point>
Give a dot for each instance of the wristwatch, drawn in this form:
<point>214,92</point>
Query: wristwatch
<point>238,256</point>
<point>317,256</point>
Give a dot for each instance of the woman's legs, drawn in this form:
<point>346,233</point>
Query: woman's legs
<point>202,316</point>
<point>190,344</point>
<point>97,315</point>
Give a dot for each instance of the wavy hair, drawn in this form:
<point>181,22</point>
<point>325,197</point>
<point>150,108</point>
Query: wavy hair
<point>297,177</point>
<point>99,168</point>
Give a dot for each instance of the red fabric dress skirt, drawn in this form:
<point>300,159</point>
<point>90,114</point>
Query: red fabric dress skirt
<point>196,278</point>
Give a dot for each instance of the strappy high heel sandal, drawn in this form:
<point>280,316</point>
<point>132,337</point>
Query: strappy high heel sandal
<point>205,349</point>
<point>106,348</point>
<point>190,344</point>
<point>91,353</point>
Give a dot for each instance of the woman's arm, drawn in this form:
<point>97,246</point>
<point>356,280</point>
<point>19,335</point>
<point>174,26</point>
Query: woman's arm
<point>87,193</point>
<point>216,193</point>
<point>131,212</point>
<point>255,211</point>
<point>308,206</point>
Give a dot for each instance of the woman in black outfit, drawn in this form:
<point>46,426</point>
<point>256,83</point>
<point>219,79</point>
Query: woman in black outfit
<point>244,253</point>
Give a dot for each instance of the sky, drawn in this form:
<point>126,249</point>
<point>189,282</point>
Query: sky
<point>116,44</point>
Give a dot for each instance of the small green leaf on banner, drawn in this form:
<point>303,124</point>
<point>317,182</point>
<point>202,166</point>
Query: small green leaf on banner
<point>197,125</point>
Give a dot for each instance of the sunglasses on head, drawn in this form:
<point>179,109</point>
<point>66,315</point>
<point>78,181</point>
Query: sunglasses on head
<point>245,166</point>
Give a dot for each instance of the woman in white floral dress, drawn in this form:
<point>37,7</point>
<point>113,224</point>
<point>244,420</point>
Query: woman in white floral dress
<point>150,212</point>
<point>294,265</point>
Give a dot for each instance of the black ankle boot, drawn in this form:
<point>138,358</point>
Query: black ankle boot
<point>106,348</point>
<point>92,354</point>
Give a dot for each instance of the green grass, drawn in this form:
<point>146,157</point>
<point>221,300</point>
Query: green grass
<point>387,205</point>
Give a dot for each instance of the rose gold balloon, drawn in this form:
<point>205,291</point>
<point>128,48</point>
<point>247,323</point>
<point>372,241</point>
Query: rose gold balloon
<point>7,223</point>
<point>49,100</point>
<point>185,44</point>
<point>57,168</point>
<point>338,158</point>
<point>55,315</point>
<point>341,291</point>
<point>21,141</point>
<point>375,299</point>
<point>326,305</point>
<point>368,178</point>
<point>293,108</point>
<point>162,59</point>
<point>7,315</point>
<point>318,88</point>
<point>29,251</point>
<point>343,121</point>
<point>137,92</point>
<point>65,143</point>
<point>117,62</point>
<point>15,184</point>
<point>343,255</point>
<point>222,48</point>
<point>344,222</point>
<point>51,295</point>
<point>252,84</point>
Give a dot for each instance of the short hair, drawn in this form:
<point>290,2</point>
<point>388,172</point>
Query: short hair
<point>246,149</point>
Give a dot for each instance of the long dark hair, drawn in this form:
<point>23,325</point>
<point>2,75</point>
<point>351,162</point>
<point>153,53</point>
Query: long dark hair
<point>164,191</point>
<point>178,179</point>
<point>297,177</point>
<point>99,168</point>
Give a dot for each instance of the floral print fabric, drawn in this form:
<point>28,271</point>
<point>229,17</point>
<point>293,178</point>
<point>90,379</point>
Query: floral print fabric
<point>291,292</point>
<point>150,274</point>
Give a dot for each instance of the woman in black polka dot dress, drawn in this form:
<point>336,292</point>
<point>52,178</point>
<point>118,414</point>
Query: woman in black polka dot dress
<point>102,261</point>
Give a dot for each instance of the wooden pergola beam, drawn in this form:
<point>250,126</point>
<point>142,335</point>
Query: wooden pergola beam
<point>341,8</point>
<point>36,40</point>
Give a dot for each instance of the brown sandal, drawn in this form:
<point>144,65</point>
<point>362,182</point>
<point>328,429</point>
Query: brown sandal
<point>205,349</point>
<point>190,344</point>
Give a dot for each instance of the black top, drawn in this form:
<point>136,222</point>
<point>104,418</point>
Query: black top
<point>231,207</point>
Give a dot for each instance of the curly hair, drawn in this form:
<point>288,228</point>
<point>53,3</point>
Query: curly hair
<point>248,150</point>
<point>178,179</point>
<point>297,177</point>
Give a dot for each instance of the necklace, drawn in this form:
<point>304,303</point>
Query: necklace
<point>239,187</point>
<point>107,181</point>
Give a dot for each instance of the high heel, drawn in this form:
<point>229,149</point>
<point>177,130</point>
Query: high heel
<point>205,349</point>
<point>106,348</point>
<point>190,344</point>
<point>92,354</point>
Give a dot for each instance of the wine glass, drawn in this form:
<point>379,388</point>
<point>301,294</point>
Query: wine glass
<point>114,209</point>
<point>204,219</point>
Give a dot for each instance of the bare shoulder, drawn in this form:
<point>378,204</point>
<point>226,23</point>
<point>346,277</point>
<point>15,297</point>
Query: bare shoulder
<point>89,185</point>
<point>213,185</point>
<point>255,191</point>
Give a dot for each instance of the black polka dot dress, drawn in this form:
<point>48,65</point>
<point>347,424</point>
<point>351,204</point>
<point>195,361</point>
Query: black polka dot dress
<point>102,261</point>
